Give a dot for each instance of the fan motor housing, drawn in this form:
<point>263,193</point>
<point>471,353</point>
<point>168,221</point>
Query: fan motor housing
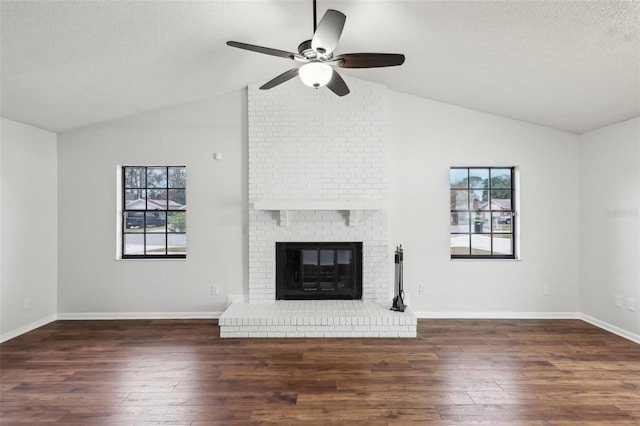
<point>305,49</point>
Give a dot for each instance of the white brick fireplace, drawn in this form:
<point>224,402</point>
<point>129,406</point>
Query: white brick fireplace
<point>312,157</point>
<point>318,173</point>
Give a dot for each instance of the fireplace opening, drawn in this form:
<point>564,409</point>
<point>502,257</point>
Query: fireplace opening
<point>318,270</point>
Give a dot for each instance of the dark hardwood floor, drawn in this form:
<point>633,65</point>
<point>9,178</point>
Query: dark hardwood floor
<point>511,372</point>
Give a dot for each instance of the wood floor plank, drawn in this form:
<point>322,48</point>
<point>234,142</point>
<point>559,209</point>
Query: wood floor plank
<point>179,372</point>
<point>557,397</point>
<point>115,386</point>
<point>595,414</point>
<point>398,398</point>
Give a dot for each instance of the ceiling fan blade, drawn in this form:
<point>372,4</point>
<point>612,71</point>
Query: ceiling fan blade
<point>325,39</point>
<point>337,85</point>
<point>260,49</point>
<point>285,76</point>
<point>369,60</point>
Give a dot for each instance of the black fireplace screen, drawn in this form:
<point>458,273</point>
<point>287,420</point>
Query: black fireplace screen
<point>318,270</point>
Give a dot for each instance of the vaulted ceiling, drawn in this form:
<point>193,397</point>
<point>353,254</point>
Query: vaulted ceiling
<point>570,65</point>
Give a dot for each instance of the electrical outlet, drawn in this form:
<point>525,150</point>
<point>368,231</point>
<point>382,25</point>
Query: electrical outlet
<point>617,301</point>
<point>631,304</point>
<point>422,289</point>
<point>214,289</point>
<point>546,289</point>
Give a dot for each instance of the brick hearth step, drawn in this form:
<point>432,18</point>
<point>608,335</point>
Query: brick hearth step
<point>316,318</point>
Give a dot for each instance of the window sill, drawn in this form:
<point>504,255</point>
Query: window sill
<point>152,258</point>
<point>517,259</point>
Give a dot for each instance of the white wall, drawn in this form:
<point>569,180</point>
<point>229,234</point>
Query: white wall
<point>426,139</point>
<point>92,282</point>
<point>28,212</point>
<point>610,224</point>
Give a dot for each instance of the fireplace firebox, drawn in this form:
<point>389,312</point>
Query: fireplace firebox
<point>312,270</point>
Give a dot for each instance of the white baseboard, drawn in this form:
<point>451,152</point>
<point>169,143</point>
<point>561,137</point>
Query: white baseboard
<point>137,315</point>
<point>611,328</point>
<point>27,328</point>
<point>497,315</point>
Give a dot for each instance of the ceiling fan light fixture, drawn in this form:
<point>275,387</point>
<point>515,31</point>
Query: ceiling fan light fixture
<point>315,74</point>
<point>317,56</point>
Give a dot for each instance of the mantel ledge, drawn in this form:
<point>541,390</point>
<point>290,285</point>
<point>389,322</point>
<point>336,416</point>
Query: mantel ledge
<point>354,208</point>
<point>339,205</point>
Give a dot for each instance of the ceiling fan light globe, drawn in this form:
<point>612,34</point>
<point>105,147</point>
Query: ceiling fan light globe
<point>315,74</point>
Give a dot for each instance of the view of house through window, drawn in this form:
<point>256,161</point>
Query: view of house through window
<point>482,212</point>
<point>154,201</point>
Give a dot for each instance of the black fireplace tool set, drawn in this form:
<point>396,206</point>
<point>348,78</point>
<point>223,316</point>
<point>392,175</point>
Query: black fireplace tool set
<point>398,301</point>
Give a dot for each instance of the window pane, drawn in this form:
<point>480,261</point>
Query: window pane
<point>177,243</point>
<point>135,199</point>
<point>293,269</point>
<point>480,200</point>
<point>502,244</point>
<point>327,270</point>
<point>501,221</point>
<point>481,244</point>
<point>460,244</point>
<point>157,177</point>
<point>344,257</point>
<point>459,199</point>
<point>134,177</point>
<point>177,221</point>
<point>157,199</point>
<point>459,222</point>
<point>501,199</point>
<point>458,178</point>
<point>309,257</point>
<point>326,257</point>
<point>479,178</point>
<point>480,223</point>
<point>156,244</point>
<point>344,271</point>
<point>134,244</point>
<point>177,177</point>
<point>310,269</point>
<point>133,222</point>
<point>501,178</point>
<point>156,221</point>
<point>177,199</point>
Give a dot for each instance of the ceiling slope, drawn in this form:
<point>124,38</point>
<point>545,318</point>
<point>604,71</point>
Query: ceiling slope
<point>570,65</point>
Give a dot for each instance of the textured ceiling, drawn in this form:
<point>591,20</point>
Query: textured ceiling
<point>571,65</point>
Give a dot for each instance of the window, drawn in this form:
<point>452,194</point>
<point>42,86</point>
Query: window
<point>154,201</point>
<point>482,213</point>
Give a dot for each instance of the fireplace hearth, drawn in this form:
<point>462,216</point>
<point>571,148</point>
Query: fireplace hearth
<point>318,270</point>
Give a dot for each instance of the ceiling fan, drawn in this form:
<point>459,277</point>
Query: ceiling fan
<point>316,56</point>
